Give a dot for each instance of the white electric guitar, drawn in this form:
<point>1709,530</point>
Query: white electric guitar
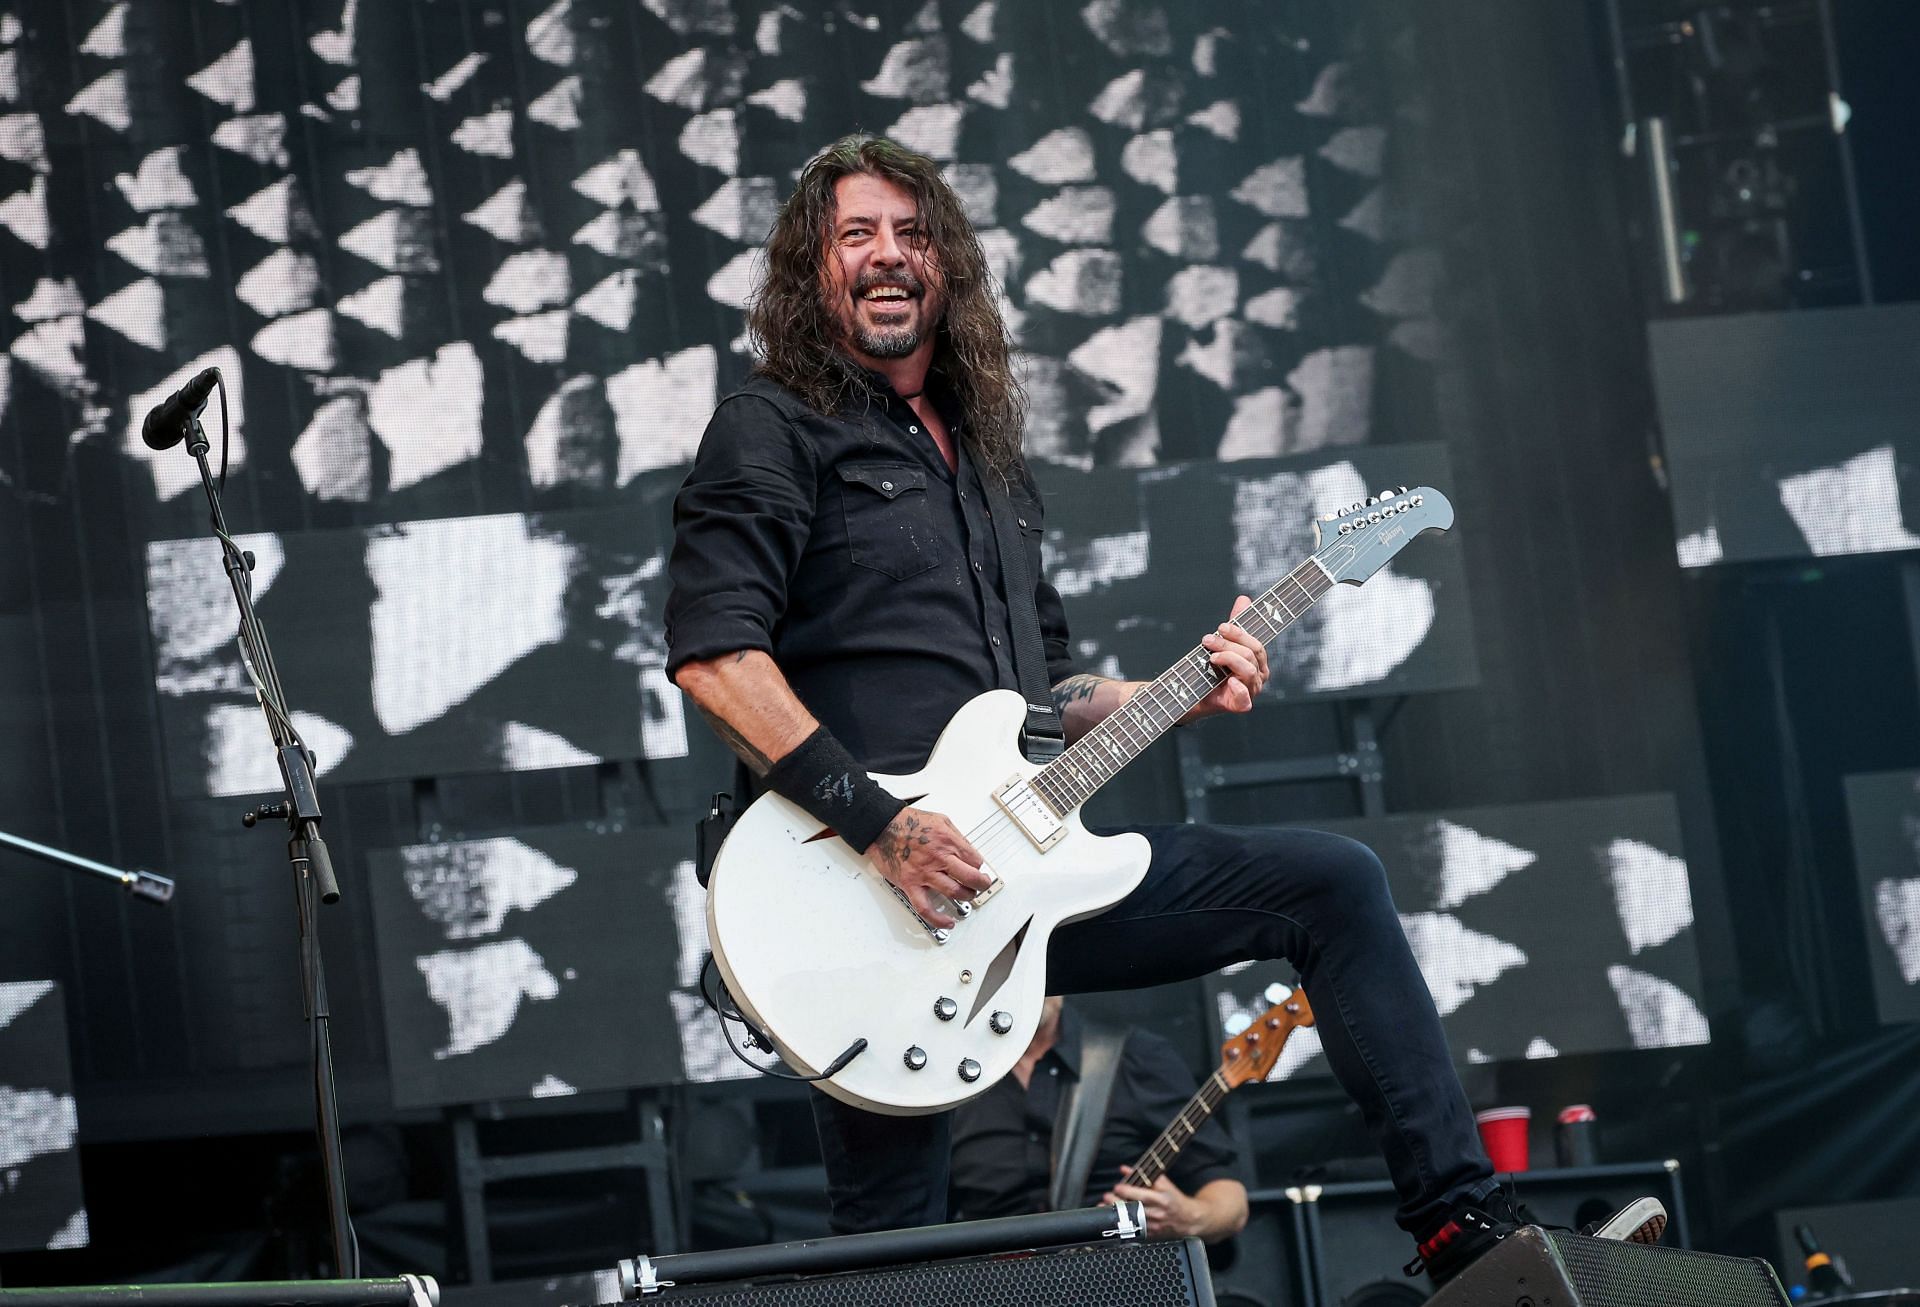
<point>831,961</point>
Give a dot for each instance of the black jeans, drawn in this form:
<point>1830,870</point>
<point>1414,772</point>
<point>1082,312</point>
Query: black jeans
<point>1213,896</point>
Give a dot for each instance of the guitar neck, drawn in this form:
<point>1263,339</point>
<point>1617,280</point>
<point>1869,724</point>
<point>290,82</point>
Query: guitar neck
<point>1153,1163</point>
<point>1124,734</point>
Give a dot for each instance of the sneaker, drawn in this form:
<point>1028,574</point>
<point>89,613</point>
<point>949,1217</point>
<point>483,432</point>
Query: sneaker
<point>1469,1231</point>
<point>1643,1220</point>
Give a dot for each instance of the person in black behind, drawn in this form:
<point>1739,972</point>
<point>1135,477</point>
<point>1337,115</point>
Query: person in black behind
<point>838,593</point>
<point>1003,1144</point>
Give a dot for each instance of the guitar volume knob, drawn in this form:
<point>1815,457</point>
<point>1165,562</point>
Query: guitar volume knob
<point>915,1058</point>
<point>969,1070</point>
<point>1001,1022</point>
<point>945,1008</point>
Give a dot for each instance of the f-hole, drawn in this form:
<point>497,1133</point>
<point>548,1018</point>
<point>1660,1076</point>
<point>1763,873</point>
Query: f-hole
<point>998,970</point>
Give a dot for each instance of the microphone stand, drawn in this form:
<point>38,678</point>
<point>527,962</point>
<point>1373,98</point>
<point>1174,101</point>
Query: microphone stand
<point>140,883</point>
<point>307,853</point>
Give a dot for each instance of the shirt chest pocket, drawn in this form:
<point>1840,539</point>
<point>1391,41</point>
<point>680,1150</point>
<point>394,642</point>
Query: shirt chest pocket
<point>1028,524</point>
<point>889,524</point>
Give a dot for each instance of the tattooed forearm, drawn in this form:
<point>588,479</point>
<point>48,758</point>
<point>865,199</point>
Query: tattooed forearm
<point>757,762</point>
<point>1075,689</point>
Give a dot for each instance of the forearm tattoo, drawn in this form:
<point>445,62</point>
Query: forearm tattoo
<point>1076,689</point>
<point>757,762</point>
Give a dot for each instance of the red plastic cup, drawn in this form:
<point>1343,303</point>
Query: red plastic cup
<point>1503,1131</point>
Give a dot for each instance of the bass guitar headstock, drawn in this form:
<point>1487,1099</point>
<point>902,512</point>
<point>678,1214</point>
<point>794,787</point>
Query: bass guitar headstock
<point>1253,1053</point>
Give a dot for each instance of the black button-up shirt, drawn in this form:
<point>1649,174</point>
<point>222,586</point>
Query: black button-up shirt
<point>845,548</point>
<point>1002,1140</point>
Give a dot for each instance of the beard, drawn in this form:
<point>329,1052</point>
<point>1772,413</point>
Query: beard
<point>886,342</point>
<point>889,342</point>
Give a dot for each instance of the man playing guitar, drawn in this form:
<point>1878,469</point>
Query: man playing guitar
<point>1005,1153</point>
<point>838,593</point>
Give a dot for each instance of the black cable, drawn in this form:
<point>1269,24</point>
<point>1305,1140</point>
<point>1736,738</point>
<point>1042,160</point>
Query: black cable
<point>258,668</point>
<point>220,384</point>
<point>723,1007</point>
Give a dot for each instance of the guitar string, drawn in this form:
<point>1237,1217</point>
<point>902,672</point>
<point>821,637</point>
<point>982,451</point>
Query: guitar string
<point>1208,1098</point>
<point>998,832</point>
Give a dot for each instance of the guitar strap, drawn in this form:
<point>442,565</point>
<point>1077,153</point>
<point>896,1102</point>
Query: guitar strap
<point>1083,1112</point>
<point>1044,736</point>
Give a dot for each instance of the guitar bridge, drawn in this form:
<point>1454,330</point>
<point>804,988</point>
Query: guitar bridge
<point>1032,814</point>
<point>959,909</point>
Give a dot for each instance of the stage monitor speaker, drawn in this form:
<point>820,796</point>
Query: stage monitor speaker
<point>1873,1240</point>
<point>1263,1265</point>
<point>1567,1270</point>
<point>391,1291</point>
<point>1355,1250</point>
<point>1156,1274</point>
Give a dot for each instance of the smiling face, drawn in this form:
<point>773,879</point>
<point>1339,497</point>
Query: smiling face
<point>880,279</point>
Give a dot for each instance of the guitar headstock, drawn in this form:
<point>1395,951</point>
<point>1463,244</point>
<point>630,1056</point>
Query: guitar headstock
<point>1254,1052</point>
<point>1360,539</point>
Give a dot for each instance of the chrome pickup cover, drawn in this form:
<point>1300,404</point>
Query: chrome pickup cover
<point>1031,813</point>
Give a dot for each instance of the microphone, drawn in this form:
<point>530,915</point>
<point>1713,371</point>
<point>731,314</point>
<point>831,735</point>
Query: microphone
<point>170,421</point>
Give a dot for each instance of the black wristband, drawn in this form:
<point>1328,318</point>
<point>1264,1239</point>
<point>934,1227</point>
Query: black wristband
<point>822,777</point>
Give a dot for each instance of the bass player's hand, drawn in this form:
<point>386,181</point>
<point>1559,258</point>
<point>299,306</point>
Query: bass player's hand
<point>922,851</point>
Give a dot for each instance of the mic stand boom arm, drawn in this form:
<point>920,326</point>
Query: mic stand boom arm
<point>314,881</point>
<point>138,882</point>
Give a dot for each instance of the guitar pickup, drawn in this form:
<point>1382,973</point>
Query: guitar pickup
<point>1032,814</point>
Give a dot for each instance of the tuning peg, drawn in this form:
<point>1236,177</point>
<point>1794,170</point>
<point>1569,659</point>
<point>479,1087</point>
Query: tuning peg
<point>1403,490</point>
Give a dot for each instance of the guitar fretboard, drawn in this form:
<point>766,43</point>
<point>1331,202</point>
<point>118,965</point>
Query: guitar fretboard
<point>1124,734</point>
<point>1154,1162</point>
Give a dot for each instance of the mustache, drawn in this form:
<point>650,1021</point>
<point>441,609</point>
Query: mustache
<point>904,279</point>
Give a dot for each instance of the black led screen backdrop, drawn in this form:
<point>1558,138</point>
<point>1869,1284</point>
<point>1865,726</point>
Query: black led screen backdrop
<point>1542,929</point>
<point>40,1196</point>
<point>509,642</point>
<point>543,963</point>
<point>1790,434</point>
<point>458,248</point>
<point>454,258</point>
<point>521,641</point>
<point>1883,809</point>
<point>473,271</point>
<point>1149,561</point>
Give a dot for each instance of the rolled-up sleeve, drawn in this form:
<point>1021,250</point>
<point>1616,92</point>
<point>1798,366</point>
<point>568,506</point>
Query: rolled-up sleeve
<point>740,524</point>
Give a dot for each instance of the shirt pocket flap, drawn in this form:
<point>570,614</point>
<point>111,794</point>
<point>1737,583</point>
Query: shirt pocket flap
<point>890,480</point>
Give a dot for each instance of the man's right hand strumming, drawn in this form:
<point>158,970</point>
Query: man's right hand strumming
<point>921,853</point>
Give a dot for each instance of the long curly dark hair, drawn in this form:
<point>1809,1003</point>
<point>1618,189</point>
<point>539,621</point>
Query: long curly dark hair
<point>798,334</point>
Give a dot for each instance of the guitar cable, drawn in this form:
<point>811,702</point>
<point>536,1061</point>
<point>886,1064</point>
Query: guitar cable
<point>721,1001</point>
